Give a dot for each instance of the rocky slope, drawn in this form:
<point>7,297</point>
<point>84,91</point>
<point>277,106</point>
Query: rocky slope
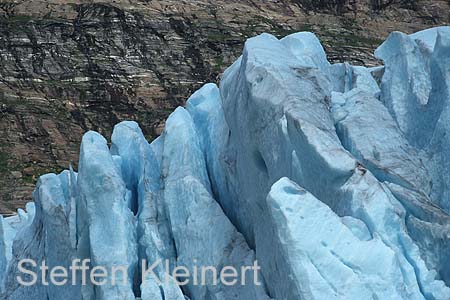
<point>70,66</point>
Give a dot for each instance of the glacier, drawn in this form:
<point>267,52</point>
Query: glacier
<point>332,177</point>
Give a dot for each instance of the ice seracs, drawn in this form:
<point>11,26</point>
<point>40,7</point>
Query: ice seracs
<point>376,142</point>
<point>332,177</point>
<point>322,258</point>
<point>109,238</point>
<point>203,235</point>
<point>416,90</point>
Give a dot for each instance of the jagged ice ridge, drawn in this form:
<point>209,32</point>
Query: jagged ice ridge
<point>335,178</point>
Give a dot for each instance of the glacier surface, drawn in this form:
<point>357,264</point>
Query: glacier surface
<point>334,178</point>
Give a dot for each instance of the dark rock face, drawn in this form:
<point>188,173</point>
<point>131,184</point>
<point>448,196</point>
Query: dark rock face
<point>70,66</point>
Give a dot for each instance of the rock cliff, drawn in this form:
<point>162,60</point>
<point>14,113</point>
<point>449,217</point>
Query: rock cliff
<point>71,66</point>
